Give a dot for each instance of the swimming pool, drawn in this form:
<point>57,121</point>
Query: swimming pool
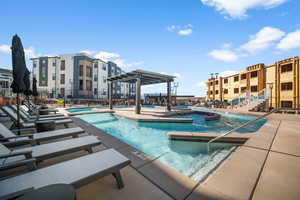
<point>85,109</point>
<point>188,158</point>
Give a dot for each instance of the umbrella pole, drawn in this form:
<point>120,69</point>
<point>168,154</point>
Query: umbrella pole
<point>18,113</point>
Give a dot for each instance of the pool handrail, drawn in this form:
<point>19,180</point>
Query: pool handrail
<point>247,124</point>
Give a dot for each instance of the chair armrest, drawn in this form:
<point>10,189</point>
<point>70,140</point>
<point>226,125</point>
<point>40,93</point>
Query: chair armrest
<point>33,130</point>
<point>27,154</point>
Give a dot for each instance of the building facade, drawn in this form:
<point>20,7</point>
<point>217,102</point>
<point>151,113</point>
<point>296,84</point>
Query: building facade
<point>6,79</point>
<point>75,75</point>
<point>280,79</point>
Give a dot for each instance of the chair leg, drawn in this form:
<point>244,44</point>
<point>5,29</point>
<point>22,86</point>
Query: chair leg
<point>118,178</point>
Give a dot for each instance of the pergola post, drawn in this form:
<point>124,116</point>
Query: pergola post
<point>138,96</point>
<point>169,95</point>
<point>110,91</point>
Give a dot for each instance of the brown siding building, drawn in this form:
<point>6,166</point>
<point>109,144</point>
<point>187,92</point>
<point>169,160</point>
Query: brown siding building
<point>282,79</point>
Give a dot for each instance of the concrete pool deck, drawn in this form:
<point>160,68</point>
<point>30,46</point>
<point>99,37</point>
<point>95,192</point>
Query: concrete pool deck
<point>267,166</point>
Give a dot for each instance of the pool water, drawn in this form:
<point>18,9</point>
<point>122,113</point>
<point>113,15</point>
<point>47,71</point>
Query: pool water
<point>188,158</point>
<point>86,109</point>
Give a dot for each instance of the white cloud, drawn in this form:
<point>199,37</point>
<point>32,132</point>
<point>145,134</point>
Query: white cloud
<point>121,63</point>
<point>263,39</point>
<point>238,8</point>
<point>106,55</point>
<point>228,73</point>
<point>201,84</point>
<point>87,52</point>
<point>185,32</point>
<point>290,41</point>
<point>225,55</point>
<point>29,52</point>
<point>5,48</point>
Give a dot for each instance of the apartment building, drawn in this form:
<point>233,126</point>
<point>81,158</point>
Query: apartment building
<point>6,79</point>
<point>280,79</point>
<point>74,75</point>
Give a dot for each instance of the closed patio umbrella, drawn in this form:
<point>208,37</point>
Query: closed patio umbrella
<point>19,68</point>
<point>34,89</point>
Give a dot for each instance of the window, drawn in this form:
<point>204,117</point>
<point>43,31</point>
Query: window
<point>96,66</point>
<point>253,74</point>
<point>286,104</point>
<point>96,78</point>
<point>287,86</point>
<point>95,91</point>
<point>225,91</point>
<point>286,68</point>
<point>236,90</point>
<point>254,88</point>
<point>89,71</point>
<point>104,67</point>
<point>34,64</point>
<point>80,84</point>
<point>243,89</point>
<point>236,78</point>
<point>217,91</point>
<point>62,92</point>
<point>54,63</point>
<point>62,79</point>
<point>226,80</point>
<point>211,92</point>
<point>211,83</point>
<point>63,65</point>
<point>88,84</point>
<point>104,79</point>
<point>217,82</point>
<point>243,76</point>
<point>80,70</point>
<point>53,77</point>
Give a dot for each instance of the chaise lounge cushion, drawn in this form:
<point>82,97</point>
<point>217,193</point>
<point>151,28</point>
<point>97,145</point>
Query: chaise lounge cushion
<point>78,172</point>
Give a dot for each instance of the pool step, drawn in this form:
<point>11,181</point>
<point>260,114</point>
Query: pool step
<point>205,137</point>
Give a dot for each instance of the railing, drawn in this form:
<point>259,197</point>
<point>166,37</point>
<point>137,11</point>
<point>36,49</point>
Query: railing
<point>246,124</point>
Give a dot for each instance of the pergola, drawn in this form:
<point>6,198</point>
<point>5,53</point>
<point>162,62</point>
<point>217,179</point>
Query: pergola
<point>139,78</point>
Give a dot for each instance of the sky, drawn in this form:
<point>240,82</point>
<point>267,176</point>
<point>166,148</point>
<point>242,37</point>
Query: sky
<point>189,39</point>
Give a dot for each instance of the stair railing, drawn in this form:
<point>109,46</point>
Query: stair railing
<point>245,125</point>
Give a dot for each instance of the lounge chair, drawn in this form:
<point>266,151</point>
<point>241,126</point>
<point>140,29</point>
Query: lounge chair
<point>16,157</point>
<point>29,124</point>
<point>77,172</point>
<point>10,139</point>
<point>33,114</point>
<point>31,105</point>
<point>27,117</point>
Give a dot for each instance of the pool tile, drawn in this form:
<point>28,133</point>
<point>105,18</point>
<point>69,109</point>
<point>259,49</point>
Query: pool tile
<point>171,181</point>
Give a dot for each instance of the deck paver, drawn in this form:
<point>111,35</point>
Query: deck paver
<point>136,187</point>
<point>237,176</point>
<point>171,181</point>
<point>287,139</point>
<point>280,178</point>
